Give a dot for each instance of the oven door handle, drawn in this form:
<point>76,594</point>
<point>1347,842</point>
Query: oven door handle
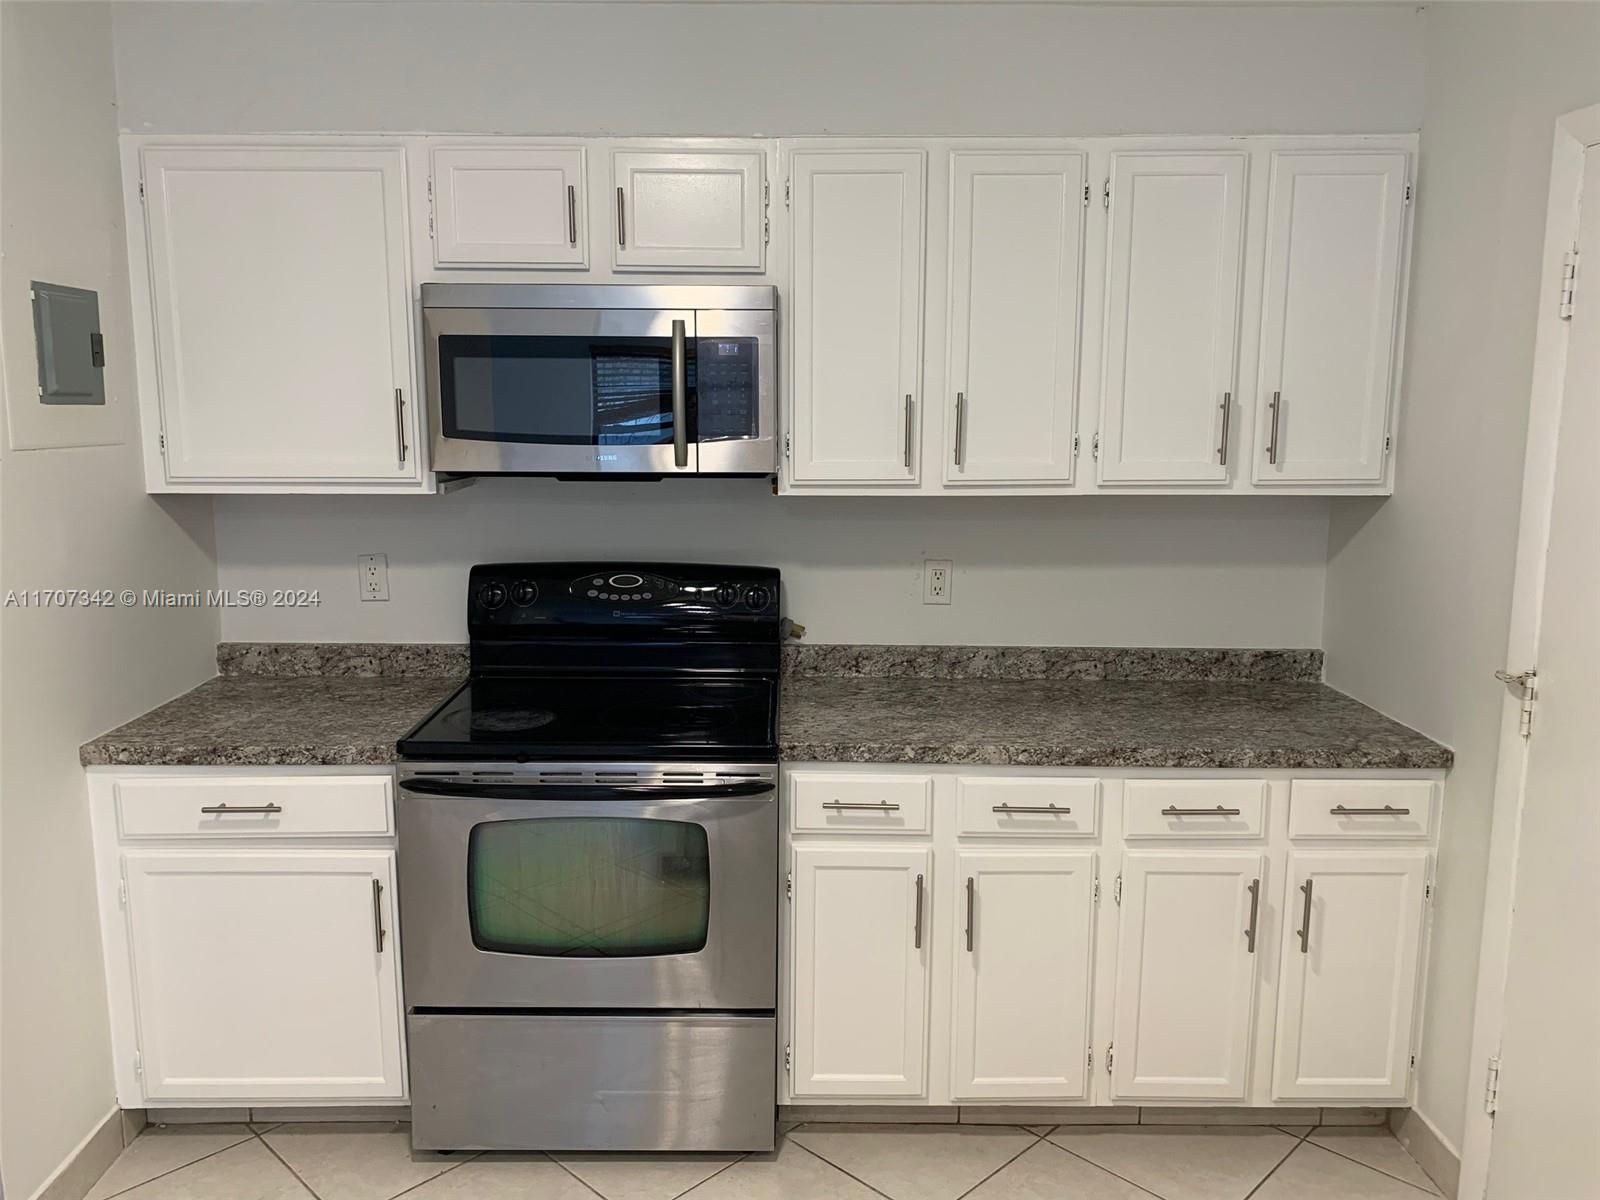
<point>597,792</point>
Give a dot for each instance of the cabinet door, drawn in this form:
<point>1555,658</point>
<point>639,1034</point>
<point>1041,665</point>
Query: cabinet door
<point>266,975</point>
<point>861,922</point>
<point>857,294</point>
<point>1016,273</point>
<point>1186,974</point>
<point>509,206</point>
<point>1349,983</point>
<point>281,300</point>
<point>1335,230</point>
<point>693,212</point>
<point>1024,924</point>
<point>1172,317</point>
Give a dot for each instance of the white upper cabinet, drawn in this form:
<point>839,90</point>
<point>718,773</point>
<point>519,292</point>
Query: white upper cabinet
<point>694,211</point>
<point>1176,253</point>
<point>1016,274</point>
<point>856,314</point>
<point>509,205</point>
<point>280,310</point>
<point>1352,942</point>
<point>1335,234</point>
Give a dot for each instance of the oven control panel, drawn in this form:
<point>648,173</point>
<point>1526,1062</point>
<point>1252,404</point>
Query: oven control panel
<point>508,595</point>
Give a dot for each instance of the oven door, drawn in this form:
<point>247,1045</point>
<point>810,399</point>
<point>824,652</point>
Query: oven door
<point>588,895</point>
<point>561,390</point>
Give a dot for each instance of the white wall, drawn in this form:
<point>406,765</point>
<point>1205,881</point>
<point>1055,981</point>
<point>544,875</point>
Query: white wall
<point>69,518</point>
<point>1122,571</point>
<point>1419,587</point>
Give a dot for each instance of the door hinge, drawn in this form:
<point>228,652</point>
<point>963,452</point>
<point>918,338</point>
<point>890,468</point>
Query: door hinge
<point>1096,894</point>
<point>1094,446</point>
<point>1413,1062</point>
<point>1107,194</point>
<point>1388,443</point>
<point>788,1056</point>
<point>788,886</point>
<point>1111,1048</point>
<point>786,445</point>
<point>1075,441</point>
<point>766,231</point>
<point>1086,205</point>
<point>138,1062</point>
<point>1408,193</point>
<point>1491,1086</point>
<point>161,441</point>
<point>141,189</point>
<point>1116,891</point>
<point>1091,1058</point>
<point>1427,892</point>
<point>786,193</point>
<point>1528,682</point>
<point>1569,283</point>
<point>766,192</point>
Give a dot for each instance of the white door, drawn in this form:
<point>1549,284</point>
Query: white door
<point>1186,974</point>
<point>1025,930</point>
<point>509,206</point>
<point>857,314</point>
<point>268,974</point>
<point>1016,276</point>
<point>281,300</point>
<point>1172,317</point>
<point>1352,941</point>
<point>1548,1109</point>
<point>861,925</point>
<point>1335,234</point>
<point>704,211</point>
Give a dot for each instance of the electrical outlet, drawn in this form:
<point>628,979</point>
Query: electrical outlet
<point>936,580</point>
<point>373,571</point>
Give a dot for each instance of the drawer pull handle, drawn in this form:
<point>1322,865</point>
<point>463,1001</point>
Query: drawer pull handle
<point>1031,808</point>
<point>1218,811</point>
<point>1388,810</point>
<point>845,806</point>
<point>220,809</point>
<point>916,920</point>
<point>1255,914</point>
<point>1304,932</point>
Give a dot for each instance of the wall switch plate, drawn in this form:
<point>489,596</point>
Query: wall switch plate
<point>936,580</point>
<point>373,570</point>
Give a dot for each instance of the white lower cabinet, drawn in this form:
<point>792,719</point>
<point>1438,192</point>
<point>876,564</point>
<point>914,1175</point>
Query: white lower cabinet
<point>1352,950</point>
<point>860,971</point>
<point>1186,974</point>
<point>1024,958</point>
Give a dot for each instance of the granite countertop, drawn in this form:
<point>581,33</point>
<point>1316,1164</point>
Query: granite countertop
<point>326,705</point>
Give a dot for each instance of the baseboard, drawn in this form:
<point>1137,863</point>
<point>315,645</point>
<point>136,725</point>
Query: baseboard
<point>89,1159</point>
<point>1434,1154</point>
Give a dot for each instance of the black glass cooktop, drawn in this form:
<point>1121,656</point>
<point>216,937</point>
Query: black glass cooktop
<point>615,718</point>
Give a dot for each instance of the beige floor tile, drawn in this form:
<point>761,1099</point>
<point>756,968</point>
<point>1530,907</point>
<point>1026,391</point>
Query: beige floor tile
<point>643,1176</point>
<point>1048,1172</point>
<point>503,1177</point>
<point>1298,1131</point>
<point>1183,1162</point>
<point>916,1162</point>
<point>247,1171</point>
<point>1376,1148</point>
<point>163,1148</point>
<point>1312,1173</point>
<point>788,1173</point>
<point>357,1162</point>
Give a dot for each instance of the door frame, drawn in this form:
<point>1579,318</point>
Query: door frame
<point>1576,133</point>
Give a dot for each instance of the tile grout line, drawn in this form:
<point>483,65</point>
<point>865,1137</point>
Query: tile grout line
<point>1037,1138</point>
<point>309,1189</point>
<point>1298,1142</point>
<point>582,1182</point>
<point>842,1171</point>
<point>452,1167</point>
<point>1107,1170</point>
<point>175,1170</point>
<point>1370,1167</point>
<point>720,1170</point>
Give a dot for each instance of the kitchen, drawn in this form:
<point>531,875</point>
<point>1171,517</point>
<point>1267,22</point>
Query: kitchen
<point>1238,646</point>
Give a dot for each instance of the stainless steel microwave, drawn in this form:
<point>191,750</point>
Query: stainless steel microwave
<point>601,379</point>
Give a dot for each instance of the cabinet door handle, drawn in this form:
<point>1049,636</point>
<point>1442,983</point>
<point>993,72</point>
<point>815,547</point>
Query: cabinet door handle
<point>1031,808</point>
<point>400,423</point>
<point>972,908</point>
<point>1255,912</point>
<point>961,427</point>
<point>622,221</point>
<point>1272,438</point>
<point>1218,811</point>
<point>1388,810</point>
<point>1227,414</point>
<point>910,423</point>
<point>377,913</point>
<point>846,806</point>
<point>572,215</point>
<point>916,919</point>
<point>221,809</point>
<point>680,396</point>
<point>1304,932</point>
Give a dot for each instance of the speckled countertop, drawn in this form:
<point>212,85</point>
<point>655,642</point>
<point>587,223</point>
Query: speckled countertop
<point>322,705</point>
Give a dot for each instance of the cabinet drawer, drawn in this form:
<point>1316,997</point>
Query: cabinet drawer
<point>294,806</point>
<point>1362,808</point>
<point>1028,807</point>
<point>1194,808</point>
<point>862,803</point>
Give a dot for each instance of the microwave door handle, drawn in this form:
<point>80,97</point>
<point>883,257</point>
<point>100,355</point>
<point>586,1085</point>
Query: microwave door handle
<point>680,396</point>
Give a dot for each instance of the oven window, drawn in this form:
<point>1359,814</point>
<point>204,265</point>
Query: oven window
<point>589,887</point>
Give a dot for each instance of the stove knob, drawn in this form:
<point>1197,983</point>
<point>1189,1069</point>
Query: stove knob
<point>524,593</point>
<point>492,595</point>
<point>726,595</point>
<point>757,598</point>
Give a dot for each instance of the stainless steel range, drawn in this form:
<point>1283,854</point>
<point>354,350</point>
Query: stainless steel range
<point>589,865</point>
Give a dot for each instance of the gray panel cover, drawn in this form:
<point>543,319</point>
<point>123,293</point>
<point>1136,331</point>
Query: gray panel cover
<point>66,331</point>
